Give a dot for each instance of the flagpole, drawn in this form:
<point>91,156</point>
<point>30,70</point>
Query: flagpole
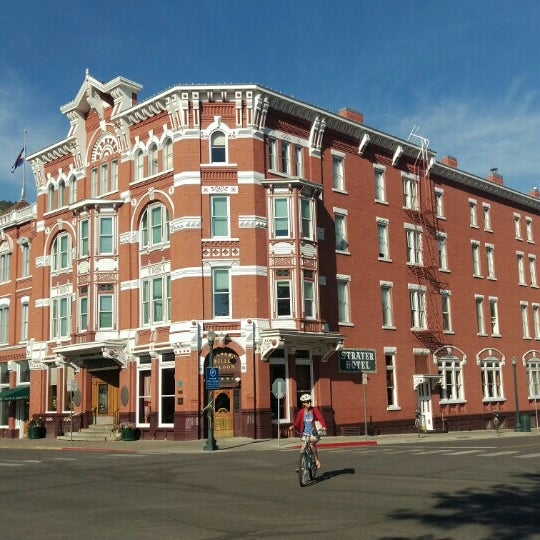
<point>23,190</point>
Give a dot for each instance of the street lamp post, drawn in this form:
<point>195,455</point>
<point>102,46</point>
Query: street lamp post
<point>210,440</point>
<point>518,418</point>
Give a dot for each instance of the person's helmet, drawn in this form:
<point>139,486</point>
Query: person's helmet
<point>305,397</point>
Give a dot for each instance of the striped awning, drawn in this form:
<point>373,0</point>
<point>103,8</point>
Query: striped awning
<point>18,393</point>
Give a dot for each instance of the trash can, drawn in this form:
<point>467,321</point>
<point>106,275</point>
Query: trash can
<point>525,421</point>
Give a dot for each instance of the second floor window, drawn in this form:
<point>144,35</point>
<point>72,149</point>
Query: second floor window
<point>306,225</point>
<point>156,300</point>
<point>105,301</point>
<point>283,297</point>
<point>24,321</point>
<point>4,320</point>
<point>219,216</point>
<point>61,317</point>
<point>106,236</point>
<point>281,218</point>
<point>155,226</point>
<point>309,294</point>
<point>5,259</point>
<point>25,263</point>
<point>61,252</point>
<point>84,238</point>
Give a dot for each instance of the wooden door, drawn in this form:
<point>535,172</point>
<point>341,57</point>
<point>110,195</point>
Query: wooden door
<point>105,393</point>
<point>223,412</point>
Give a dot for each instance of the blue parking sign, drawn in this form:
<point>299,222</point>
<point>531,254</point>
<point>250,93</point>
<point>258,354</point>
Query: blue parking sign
<point>212,378</point>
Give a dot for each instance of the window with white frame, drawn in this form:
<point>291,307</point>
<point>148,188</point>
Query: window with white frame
<point>221,292</point>
<point>536,320</point>
<point>308,287</point>
<point>490,261</point>
<point>380,184</point>
<point>167,154</point>
<point>383,238</point>
<point>61,253</point>
<point>524,306</point>
<point>475,249</point>
<point>480,320</point>
<point>4,323</point>
<point>340,220</point>
<point>517,226</point>
<point>387,305</point>
<point>52,388</point>
<point>94,182</point>
<point>219,216</point>
<point>494,316</point>
<point>155,226</point>
<point>487,216</point>
<point>446,311</point>
<point>492,389</point>
<point>25,314</point>
<point>139,165</point>
<point>272,154</point>
<point>61,194</point>
<point>299,161</point>
<point>306,216</point>
<point>413,239</point>
<point>521,268</point>
<point>166,390</point>
<point>533,378</point>
<point>153,162</point>
<point>473,218</point>
<point>84,238</point>
<point>529,230</point>
<point>114,175</point>
<point>338,177</point>
<point>156,300</point>
<point>50,198</point>
<point>61,317</point>
<point>278,370</point>
<point>439,203</point>
<point>82,318</point>
<point>450,370</point>
<point>281,217</point>
<point>25,259</point>
<point>532,270</point>
<point>5,260</point>
<point>23,372</point>
<point>218,148</point>
<point>442,251</point>
<point>410,192</point>
<point>105,300</point>
<point>417,300</point>
<point>283,293</point>
<point>343,300</point>
<point>285,157</point>
<point>144,389</point>
<point>391,380</point>
<point>103,179</point>
<point>72,190</point>
<point>106,235</point>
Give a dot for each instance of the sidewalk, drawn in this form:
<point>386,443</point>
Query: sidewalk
<point>244,443</point>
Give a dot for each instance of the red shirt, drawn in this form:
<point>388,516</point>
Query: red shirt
<point>299,422</point>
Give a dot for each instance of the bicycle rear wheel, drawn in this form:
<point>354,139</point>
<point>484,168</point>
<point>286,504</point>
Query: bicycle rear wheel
<point>303,469</point>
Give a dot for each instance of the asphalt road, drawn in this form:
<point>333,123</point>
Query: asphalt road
<point>434,491</point>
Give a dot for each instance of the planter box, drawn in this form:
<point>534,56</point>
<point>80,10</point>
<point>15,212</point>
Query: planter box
<point>36,432</point>
<point>129,434</point>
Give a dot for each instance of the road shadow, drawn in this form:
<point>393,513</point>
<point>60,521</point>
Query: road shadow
<point>328,475</point>
<point>507,511</point>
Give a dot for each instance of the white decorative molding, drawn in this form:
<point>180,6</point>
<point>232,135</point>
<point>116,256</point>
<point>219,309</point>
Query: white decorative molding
<point>282,248</point>
<point>252,222</point>
<point>129,285</point>
<point>211,190</point>
<point>42,302</point>
<point>130,237</point>
<point>250,177</point>
<point>187,178</point>
<point>83,267</point>
<point>186,223</point>
<point>106,265</point>
<point>182,273</point>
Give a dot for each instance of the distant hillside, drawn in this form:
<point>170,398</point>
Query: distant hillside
<point>4,205</point>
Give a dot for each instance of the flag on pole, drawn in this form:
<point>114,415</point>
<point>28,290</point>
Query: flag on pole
<point>19,161</point>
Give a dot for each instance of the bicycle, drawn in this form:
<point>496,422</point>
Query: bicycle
<point>307,467</point>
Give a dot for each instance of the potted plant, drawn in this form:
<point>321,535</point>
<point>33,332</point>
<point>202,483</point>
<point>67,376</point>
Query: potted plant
<point>36,428</point>
<point>129,432</point>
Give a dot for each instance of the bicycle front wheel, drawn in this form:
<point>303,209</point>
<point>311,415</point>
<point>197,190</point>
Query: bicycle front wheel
<point>303,469</point>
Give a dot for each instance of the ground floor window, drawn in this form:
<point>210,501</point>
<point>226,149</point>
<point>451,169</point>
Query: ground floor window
<point>533,378</point>
<point>166,412</point>
<point>69,375</point>
<point>144,390</point>
<point>391,382</point>
<point>451,379</point>
<point>278,370</point>
<point>491,380</point>
<point>52,387</point>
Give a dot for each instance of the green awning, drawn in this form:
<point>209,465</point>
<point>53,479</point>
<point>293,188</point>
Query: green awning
<point>15,394</point>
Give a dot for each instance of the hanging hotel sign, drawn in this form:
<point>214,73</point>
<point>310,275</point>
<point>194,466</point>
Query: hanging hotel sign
<point>357,361</point>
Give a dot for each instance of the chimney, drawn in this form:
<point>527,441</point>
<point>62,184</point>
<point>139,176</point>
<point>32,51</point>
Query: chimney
<point>451,161</point>
<point>495,177</point>
<point>351,114</point>
<point>534,193</point>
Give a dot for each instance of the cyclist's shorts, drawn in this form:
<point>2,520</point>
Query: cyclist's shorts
<point>310,438</point>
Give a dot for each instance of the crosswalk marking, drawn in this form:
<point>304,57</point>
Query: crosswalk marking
<point>11,464</point>
<point>493,454</point>
<point>527,456</point>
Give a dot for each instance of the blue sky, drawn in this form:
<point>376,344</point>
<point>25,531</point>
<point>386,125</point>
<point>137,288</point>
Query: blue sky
<point>465,71</point>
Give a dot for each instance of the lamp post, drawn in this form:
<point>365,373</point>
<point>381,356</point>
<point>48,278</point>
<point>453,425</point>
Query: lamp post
<point>210,440</point>
<point>518,419</point>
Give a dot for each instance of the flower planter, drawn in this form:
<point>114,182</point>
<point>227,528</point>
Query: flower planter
<point>129,434</point>
<point>36,432</point>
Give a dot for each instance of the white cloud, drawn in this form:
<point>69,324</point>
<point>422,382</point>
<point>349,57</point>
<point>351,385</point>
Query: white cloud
<point>484,135</point>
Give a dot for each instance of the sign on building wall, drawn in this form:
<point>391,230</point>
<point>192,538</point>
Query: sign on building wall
<point>357,361</point>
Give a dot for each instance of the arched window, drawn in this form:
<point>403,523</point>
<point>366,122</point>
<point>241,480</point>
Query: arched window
<point>167,155</point>
<point>155,226</point>
<point>72,190</point>
<point>152,160</point>
<point>61,194</point>
<point>139,165</point>
<point>217,147</point>
<point>50,198</point>
<point>61,253</point>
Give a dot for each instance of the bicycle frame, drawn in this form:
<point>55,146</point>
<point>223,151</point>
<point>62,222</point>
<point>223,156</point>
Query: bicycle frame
<point>307,468</point>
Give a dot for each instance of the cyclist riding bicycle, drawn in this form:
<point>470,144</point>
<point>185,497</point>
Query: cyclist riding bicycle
<point>305,424</point>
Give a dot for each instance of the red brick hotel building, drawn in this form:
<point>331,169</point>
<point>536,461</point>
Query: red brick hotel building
<point>347,262</point>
